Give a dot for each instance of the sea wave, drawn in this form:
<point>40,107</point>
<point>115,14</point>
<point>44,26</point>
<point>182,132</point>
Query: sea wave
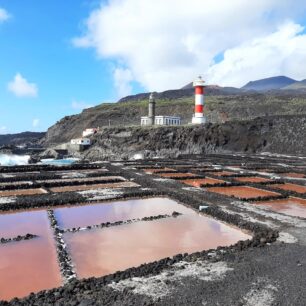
<point>13,160</point>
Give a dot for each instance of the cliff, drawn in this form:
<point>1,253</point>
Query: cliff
<point>278,134</point>
<point>219,109</point>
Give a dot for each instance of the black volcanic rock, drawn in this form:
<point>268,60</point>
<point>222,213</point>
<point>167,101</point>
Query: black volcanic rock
<point>50,153</point>
<point>269,83</point>
<point>279,134</point>
<point>7,149</point>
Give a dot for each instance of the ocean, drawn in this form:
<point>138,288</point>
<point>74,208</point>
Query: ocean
<point>17,160</point>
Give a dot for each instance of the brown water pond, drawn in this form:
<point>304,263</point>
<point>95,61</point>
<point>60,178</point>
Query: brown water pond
<point>242,192</point>
<point>69,217</point>
<point>17,192</point>
<point>105,251</point>
<point>93,186</point>
<point>292,206</point>
<point>221,173</point>
<point>205,181</point>
<point>251,179</point>
<point>293,175</point>
<point>27,266</point>
<point>290,187</point>
<point>31,266</point>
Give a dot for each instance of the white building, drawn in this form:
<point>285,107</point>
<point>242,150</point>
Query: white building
<point>81,141</point>
<point>162,120</point>
<point>89,132</point>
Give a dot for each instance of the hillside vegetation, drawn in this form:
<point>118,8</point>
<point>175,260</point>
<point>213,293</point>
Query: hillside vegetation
<point>219,108</point>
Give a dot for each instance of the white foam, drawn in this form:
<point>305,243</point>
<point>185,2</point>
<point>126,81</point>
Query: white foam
<point>12,160</point>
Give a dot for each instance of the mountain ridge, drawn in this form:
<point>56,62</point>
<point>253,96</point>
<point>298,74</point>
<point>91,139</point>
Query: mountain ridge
<point>271,83</point>
<point>299,85</point>
<point>24,138</point>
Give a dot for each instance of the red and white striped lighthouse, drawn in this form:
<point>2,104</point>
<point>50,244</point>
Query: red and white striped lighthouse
<point>198,117</point>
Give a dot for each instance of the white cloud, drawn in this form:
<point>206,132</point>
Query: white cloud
<point>279,53</point>
<point>165,44</point>
<point>4,15</point>
<point>123,79</point>
<point>3,129</point>
<point>80,105</point>
<point>20,87</point>
<point>35,122</point>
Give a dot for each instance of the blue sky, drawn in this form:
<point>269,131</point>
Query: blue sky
<point>36,42</point>
<point>59,56</point>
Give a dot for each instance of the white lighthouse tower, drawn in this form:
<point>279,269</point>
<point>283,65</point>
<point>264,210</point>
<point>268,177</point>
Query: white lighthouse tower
<point>198,117</point>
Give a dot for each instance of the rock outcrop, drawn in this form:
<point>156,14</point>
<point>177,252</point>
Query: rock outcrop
<point>279,134</point>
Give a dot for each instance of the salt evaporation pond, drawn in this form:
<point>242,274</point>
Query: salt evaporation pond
<point>59,162</point>
<point>243,192</point>
<point>292,206</point>
<point>290,187</point>
<point>103,251</point>
<point>116,211</point>
<point>31,265</point>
